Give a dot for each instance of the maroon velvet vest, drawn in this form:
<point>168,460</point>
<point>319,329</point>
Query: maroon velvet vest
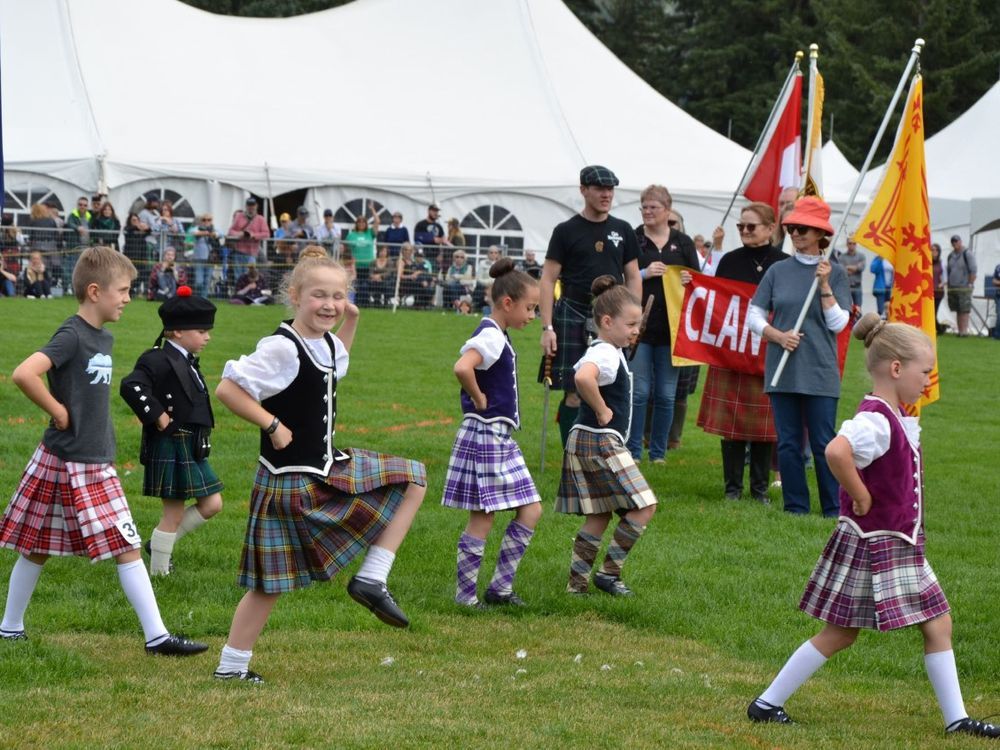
<point>895,481</point>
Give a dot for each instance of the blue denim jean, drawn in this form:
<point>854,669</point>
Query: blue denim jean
<point>652,375</point>
<point>792,411</point>
<point>881,298</point>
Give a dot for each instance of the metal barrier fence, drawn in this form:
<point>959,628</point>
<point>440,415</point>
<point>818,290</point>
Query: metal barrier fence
<point>403,274</point>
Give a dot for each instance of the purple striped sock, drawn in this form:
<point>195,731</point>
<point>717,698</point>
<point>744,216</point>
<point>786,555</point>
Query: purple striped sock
<point>470,557</point>
<point>515,541</point>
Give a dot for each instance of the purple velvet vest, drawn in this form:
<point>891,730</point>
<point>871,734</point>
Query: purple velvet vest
<point>895,481</point>
<point>499,383</point>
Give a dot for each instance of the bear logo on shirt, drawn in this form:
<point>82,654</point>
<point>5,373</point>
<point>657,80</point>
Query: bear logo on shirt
<point>100,367</point>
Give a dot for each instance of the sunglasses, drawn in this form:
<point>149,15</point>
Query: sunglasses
<point>750,227</point>
<point>797,229</point>
<point>672,223</point>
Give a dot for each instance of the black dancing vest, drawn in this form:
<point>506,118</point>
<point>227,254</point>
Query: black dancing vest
<point>307,407</point>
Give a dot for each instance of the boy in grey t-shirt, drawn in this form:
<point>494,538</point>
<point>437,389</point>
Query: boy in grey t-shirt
<point>69,501</point>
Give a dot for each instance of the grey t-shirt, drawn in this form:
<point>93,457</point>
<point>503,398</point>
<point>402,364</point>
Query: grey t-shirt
<point>961,267</point>
<point>80,379</point>
<point>812,368</point>
<point>856,261</point>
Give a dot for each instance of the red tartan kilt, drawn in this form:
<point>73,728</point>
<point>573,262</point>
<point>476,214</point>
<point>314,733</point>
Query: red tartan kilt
<point>735,407</point>
<point>67,508</point>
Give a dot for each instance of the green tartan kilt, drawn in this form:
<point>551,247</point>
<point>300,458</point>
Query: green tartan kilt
<point>172,472</point>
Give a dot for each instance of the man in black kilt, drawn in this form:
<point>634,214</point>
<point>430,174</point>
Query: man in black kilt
<point>590,244</point>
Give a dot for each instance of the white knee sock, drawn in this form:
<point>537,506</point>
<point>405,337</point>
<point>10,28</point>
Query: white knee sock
<point>161,547</point>
<point>191,520</point>
<point>377,564</point>
<point>800,667</point>
<point>233,660</point>
<point>943,674</point>
<point>139,592</point>
<point>23,578</point>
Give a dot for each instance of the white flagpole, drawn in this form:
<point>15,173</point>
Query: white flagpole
<point>763,133</point>
<point>914,56</point>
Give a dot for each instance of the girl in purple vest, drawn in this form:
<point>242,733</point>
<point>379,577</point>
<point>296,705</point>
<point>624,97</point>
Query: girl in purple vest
<point>314,507</point>
<point>878,545</point>
<point>486,472</point>
<point>599,475</point>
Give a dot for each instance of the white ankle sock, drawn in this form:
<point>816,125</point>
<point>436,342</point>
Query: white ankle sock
<point>943,674</point>
<point>161,547</point>
<point>234,660</point>
<point>23,579</point>
<point>800,667</point>
<point>377,564</point>
<point>191,521</point>
<point>139,592</point>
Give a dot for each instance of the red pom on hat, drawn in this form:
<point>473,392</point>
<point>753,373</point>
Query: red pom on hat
<point>184,291</point>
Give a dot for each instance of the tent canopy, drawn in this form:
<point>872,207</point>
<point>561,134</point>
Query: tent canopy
<point>462,93</point>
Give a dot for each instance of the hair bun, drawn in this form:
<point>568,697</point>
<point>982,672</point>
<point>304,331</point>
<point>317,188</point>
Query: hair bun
<point>602,284</point>
<point>501,267</point>
<point>866,329</point>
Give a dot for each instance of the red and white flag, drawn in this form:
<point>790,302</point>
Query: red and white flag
<point>778,162</point>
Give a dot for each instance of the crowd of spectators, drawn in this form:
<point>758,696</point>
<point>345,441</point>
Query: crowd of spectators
<point>243,261</point>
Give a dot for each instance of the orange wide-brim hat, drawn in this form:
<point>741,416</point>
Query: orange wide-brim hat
<point>810,212</point>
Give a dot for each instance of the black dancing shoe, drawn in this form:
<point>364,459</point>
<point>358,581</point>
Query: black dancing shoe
<point>252,677</point>
<point>510,599</point>
<point>772,715</point>
<point>376,597</point>
<point>13,635</point>
<point>612,585</point>
<point>177,645</point>
<point>974,727</point>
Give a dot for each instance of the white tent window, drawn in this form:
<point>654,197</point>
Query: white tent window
<point>19,202</point>
<point>492,225</point>
<point>348,213</point>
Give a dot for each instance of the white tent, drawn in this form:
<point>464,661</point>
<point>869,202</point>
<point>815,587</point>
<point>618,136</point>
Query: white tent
<point>467,102</point>
<point>839,175</point>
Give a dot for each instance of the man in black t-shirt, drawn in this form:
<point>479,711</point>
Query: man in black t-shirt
<point>429,234</point>
<point>585,246</point>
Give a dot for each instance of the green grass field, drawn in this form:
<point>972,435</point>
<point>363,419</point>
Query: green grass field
<point>714,617</point>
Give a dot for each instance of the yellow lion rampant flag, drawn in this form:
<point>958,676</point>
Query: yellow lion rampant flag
<point>897,227</point>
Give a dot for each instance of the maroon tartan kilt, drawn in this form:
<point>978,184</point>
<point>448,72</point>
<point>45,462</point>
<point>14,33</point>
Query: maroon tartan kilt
<point>882,582</point>
<point>735,407</point>
<point>67,508</point>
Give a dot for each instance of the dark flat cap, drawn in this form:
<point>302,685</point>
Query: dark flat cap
<point>595,174</point>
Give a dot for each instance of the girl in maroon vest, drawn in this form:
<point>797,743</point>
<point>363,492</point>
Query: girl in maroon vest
<point>486,471</point>
<point>878,545</point>
<point>314,507</point>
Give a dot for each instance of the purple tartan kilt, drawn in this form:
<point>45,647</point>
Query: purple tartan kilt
<point>600,476</point>
<point>881,583</point>
<point>68,508</point>
<point>486,470</point>
<point>735,407</point>
<point>305,528</point>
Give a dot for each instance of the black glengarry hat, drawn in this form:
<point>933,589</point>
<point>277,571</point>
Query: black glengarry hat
<point>186,311</point>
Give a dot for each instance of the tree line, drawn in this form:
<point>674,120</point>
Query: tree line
<point>723,62</point>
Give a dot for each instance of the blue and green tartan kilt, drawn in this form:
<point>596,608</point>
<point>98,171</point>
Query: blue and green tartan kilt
<point>599,475</point>
<point>173,474</point>
<point>569,319</point>
<point>304,528</point>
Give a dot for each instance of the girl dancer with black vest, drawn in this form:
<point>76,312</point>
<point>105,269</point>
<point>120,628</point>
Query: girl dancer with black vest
<point>314,507</point>
<point>486,472</point>
<point>599,476</point>
<point>878,546</point>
